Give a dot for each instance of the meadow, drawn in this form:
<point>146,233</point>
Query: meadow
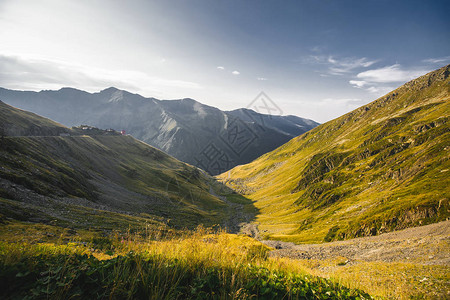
<point>47,262</point>
<point>50,262</point>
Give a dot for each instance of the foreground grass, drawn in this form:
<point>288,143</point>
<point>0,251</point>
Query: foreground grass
<point>398,280</point>
<point>384,280</point>
<point>157,264</point>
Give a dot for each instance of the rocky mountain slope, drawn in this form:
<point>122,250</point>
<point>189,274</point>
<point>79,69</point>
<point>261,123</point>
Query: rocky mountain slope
<point>53,174</point>
<point>382,167</point>
<point>198,134</point>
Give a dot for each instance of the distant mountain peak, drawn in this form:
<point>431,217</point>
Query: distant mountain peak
<point>188,100</point>
<point>116,96</point>
<point>246,110</point>
<point>113,94</point>
<point>66,88</point>
<point>110,90</point>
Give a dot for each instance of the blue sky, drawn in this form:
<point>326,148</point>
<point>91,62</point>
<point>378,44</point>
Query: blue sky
<point>314,59</point>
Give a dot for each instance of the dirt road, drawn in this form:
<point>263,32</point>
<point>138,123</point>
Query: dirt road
<point>428,244</point>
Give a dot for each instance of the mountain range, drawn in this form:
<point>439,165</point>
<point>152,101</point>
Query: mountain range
<point>379,168</point>
<point>200,135</point>
<point>382,167</point>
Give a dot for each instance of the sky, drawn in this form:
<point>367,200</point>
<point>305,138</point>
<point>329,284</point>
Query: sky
<point>314,59</point>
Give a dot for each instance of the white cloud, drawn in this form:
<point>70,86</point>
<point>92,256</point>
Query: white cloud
<point>340,66</point>
<point>358,83</point>
<point>261,78</point>
<point>314,59</point>
<point>34,73</point>
<point>221,68</point>
<point>394,73</point>
<point>383,80</point>
<point>437,60</point>
<point>235,72</point>
<point>346,65</point>
<point>331,60</point>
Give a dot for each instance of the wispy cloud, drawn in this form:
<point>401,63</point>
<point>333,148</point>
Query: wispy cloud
<point>221,68</point>
<point>346,65</point>
<point>261,78</point>
<point>394,73</point>
<point>317,49</point>
<point>19,72</point>
<point>437,60</point>
<point>382,80</point>
<point>358,83</point>
<point>235,72</point>
<point>340,66</point>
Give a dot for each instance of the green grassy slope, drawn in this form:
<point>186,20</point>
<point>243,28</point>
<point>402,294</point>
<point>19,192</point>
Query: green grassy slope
<point>382,167</point>
<point>16,122</point>
<point>97,181</point>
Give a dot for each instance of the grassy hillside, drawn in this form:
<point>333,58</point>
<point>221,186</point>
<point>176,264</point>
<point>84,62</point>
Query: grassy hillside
<point>382,167</point>
<point>16,122</point>
<point>99,181</point>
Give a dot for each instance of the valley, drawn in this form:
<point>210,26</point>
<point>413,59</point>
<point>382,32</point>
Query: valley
<point>224,150</point>
<point>355,208</point>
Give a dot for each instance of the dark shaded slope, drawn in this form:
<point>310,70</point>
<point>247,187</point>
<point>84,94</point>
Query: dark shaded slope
<point>103,181</point>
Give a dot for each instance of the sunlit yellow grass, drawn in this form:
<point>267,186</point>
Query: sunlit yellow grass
<point>201,245</point>
<point>216,248</point>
